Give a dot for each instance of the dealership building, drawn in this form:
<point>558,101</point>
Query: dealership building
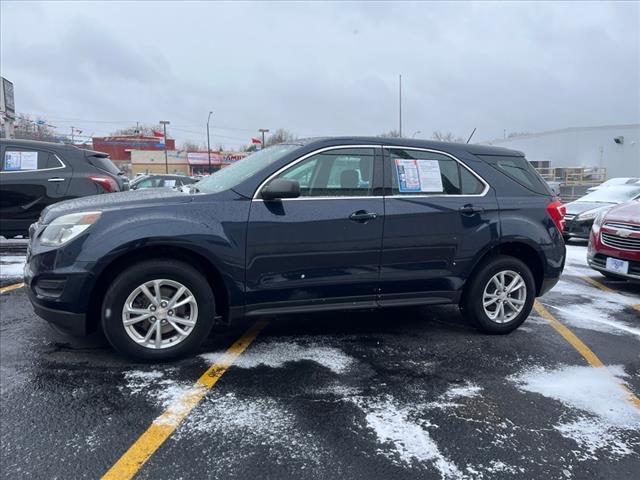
<point>614,148</point>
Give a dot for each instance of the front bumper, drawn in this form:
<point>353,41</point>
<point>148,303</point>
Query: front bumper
<point>577,229</point>
<point>599,262</point>
<point>59,294</point>
<point>69,322</point>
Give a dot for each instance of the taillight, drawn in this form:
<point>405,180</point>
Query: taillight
<point>107,183</point>
<point>557,211</point>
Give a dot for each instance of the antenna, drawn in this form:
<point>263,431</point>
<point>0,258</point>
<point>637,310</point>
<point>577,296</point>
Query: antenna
<point>469,139</point>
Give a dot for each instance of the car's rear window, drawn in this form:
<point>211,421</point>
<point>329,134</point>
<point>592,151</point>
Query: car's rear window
<point>103,163</point>
<point>520,170</point>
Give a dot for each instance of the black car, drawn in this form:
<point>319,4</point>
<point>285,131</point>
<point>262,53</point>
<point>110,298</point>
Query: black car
<point>581,213</point>
<point>35,174</point>
<point>161,181</point>
<point>316,225</point>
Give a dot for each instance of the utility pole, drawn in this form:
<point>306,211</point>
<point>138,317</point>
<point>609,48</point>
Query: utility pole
<point>400,104</point>
<point>164,124</point>
<point>73,132</point>
<point>209,143</point>
<point>263,131</point>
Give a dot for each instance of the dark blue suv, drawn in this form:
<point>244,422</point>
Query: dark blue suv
<point>314,225</point>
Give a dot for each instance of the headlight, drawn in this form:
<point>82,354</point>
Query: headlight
<point>67,227</point>
<point>590,215</point>
<point>599,219</point>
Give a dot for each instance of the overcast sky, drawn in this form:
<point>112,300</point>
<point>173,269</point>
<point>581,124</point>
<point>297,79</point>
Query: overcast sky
<point>324,68</point>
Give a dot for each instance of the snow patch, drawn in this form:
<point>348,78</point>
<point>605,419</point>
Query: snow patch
<point>595,310</point>
<point>247,423</point>
<point>12,266</point>
<point>163,392</point>
<point>602,412</point>
<point>409,441</point>
<point>276,354</point>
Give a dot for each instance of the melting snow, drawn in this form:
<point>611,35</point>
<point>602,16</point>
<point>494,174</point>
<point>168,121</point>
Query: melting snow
<point>410,441</point>
<point>276,354</point>
<point>602,406</point>
<point>596,310</point>
<point>12,266</point>
<point>249,422</point>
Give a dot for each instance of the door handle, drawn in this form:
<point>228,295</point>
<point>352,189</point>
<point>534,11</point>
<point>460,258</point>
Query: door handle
<point>470,209</point>
<point>362,216</point>
<point>56,179</point>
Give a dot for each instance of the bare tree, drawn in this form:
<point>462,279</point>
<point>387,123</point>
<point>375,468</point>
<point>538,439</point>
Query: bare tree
<point>280,136</point>
<point>518,134</point>
<point>447,137</point>
<point>28,129</point>
<point>390,134</point>
<point>139,130</point>
<point>191,146</point>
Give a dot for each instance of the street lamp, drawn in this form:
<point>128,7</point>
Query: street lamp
<point>164,124</point>
<point>263,131</point>
<point>415,133</point>
<point>209,142</point>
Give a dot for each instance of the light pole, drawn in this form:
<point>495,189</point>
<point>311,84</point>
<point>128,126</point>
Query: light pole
<point>400,104</point>
<point>415,133</point>
<point>164,124</point>
<point>209,142</point>
<point>263,131</point>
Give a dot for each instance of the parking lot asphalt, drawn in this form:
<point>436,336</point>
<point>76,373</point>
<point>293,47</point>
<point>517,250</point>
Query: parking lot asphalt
<point>391,394</point>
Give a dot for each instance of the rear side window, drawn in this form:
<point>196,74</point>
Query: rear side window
<point>520,170</point>
<point>103,163</point>
<point>416,172</point>
<point>27,159</point>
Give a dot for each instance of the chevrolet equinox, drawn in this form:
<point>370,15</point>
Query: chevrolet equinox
<point>312,225</point>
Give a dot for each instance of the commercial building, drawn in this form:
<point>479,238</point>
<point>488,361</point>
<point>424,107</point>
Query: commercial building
<point>120,147</point>
<point>613,148</point>
<point>186,163</point>
<point>149,161</point>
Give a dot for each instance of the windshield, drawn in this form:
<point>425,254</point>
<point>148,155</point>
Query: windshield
<point>239,171</point>
<point>612,195</point>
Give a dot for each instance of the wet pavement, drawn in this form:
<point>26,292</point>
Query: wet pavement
<point>399,393</point>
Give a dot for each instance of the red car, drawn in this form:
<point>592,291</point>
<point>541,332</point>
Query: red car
<point>614,242</point>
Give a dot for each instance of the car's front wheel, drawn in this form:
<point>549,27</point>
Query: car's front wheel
<point>158,310</point>
<point>500,295</point>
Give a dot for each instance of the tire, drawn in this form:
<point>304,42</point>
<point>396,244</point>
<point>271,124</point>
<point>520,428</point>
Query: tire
<point>473,298</point>
<point>199,310</point>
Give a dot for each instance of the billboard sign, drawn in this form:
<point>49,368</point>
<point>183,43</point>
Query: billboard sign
<point>7,103</point>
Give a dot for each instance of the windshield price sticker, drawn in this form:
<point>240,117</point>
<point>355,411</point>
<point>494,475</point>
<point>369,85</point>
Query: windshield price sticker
<point>20,161</point>
<point>418,175</point>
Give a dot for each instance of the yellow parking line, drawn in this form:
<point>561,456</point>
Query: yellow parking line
<point>9,288</point>
<point>597,284</point>
<point>580,346</point>
<point>163,426</point>
<point>604,288</point>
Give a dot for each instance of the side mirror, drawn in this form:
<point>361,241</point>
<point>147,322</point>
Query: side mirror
<point>281,188</point>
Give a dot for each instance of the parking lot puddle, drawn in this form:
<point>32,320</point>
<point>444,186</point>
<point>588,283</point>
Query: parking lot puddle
<point>599,414</point>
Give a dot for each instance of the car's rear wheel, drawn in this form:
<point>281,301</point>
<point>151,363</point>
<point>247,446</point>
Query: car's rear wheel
<point>158,310</point>
<point>500,295</point>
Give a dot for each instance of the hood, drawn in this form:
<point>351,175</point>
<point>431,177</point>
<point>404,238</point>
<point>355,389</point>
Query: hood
<point>575,208</point>
<point>112,201</point>
<point>625,212</point>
